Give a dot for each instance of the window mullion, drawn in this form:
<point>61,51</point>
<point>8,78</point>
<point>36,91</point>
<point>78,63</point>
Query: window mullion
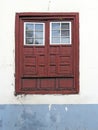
<point>60,32</point>
<point>34,33</point>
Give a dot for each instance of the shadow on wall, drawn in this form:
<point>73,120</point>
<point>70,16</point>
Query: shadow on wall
<point>45,117</point>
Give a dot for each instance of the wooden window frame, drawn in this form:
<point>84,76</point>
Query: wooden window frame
<point>20,17</point>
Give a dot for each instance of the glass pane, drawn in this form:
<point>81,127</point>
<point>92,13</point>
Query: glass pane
<point>38,41</point>
<point>29,41</point>
<point>55,26</point>
<point>55,40</point>
<point>65,40</point>
<point>64,25</point>
<point>29,34</point>
<point>39,27</point>
<point>64,32</point>
<point>38,34</point>
<point>29,27</point>
<point>56,33</point>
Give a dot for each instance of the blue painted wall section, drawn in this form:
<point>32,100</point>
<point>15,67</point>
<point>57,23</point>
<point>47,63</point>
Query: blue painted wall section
<point>49,117</point>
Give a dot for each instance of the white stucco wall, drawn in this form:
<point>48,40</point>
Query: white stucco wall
<point>88,10</point>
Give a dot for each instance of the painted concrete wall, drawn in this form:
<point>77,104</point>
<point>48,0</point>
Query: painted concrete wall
<point>46,117</point>
<point>88,49</point>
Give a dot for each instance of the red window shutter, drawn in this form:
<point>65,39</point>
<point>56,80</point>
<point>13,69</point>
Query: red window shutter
<point>47,69</point>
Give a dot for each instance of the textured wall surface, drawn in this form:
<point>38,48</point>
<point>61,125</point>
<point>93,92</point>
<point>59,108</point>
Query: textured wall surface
<point>49,117</point>
<point>88,60</point>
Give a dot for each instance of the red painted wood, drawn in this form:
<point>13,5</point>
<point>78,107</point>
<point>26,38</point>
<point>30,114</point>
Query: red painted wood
<point>46,69</point>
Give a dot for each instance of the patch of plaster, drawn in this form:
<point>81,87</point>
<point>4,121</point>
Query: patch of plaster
<point>66,109</point>
<point>50,106</point>
<point>49,5</point>
<point>21,98</point>
<point>30,121</point>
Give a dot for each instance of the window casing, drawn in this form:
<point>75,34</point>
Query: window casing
<point>47,53</point>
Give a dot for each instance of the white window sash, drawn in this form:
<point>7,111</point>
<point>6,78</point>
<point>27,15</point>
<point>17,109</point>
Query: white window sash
<point>25,23</point>
<point>70,35</point>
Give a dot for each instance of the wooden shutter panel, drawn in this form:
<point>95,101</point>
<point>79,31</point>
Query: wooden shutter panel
<point>47,69</point>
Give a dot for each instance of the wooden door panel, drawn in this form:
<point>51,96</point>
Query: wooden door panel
<point>52,59</point>
<point>28,51</point>
<point>49,85</point>
<point>30,70</point>
<point>52,65</point>
<point>29,84</point>
<point>39,50</point>
<point>34,61</point>
<point>41,65</point>
<point>64,70</point>
<point>30,60</point>
<point>52,71</point>
<point>59,61</point>
<point>64,64</point>
<point>54,49</point>
<point>65,83</point>
<point>30,65</point>
<point>65,50</point>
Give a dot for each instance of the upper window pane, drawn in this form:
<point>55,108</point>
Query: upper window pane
<point>61,31</point>
<point>29,27</point>
<point>34,33</point>
<point>55,26</point>
<point>38,27</point>
<point>65,33</point>
<point>64,25</point>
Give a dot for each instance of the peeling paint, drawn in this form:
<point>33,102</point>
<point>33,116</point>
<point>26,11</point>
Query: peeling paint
<point>66,109</point>
<point>49,5</point>
<point>50,106</point>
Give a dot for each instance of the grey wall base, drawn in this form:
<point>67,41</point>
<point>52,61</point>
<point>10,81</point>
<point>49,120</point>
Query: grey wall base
<point>49,117</point>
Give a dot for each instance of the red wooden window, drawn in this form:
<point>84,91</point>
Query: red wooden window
<point>47,53</point>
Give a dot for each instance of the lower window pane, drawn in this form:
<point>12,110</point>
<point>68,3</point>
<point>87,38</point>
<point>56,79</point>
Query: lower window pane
<point>38,41</point>
<point>56,33</point>
<point>65,40</point>
<point>55,40</point>
<point>29,41</point>
<point>29,34</point>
